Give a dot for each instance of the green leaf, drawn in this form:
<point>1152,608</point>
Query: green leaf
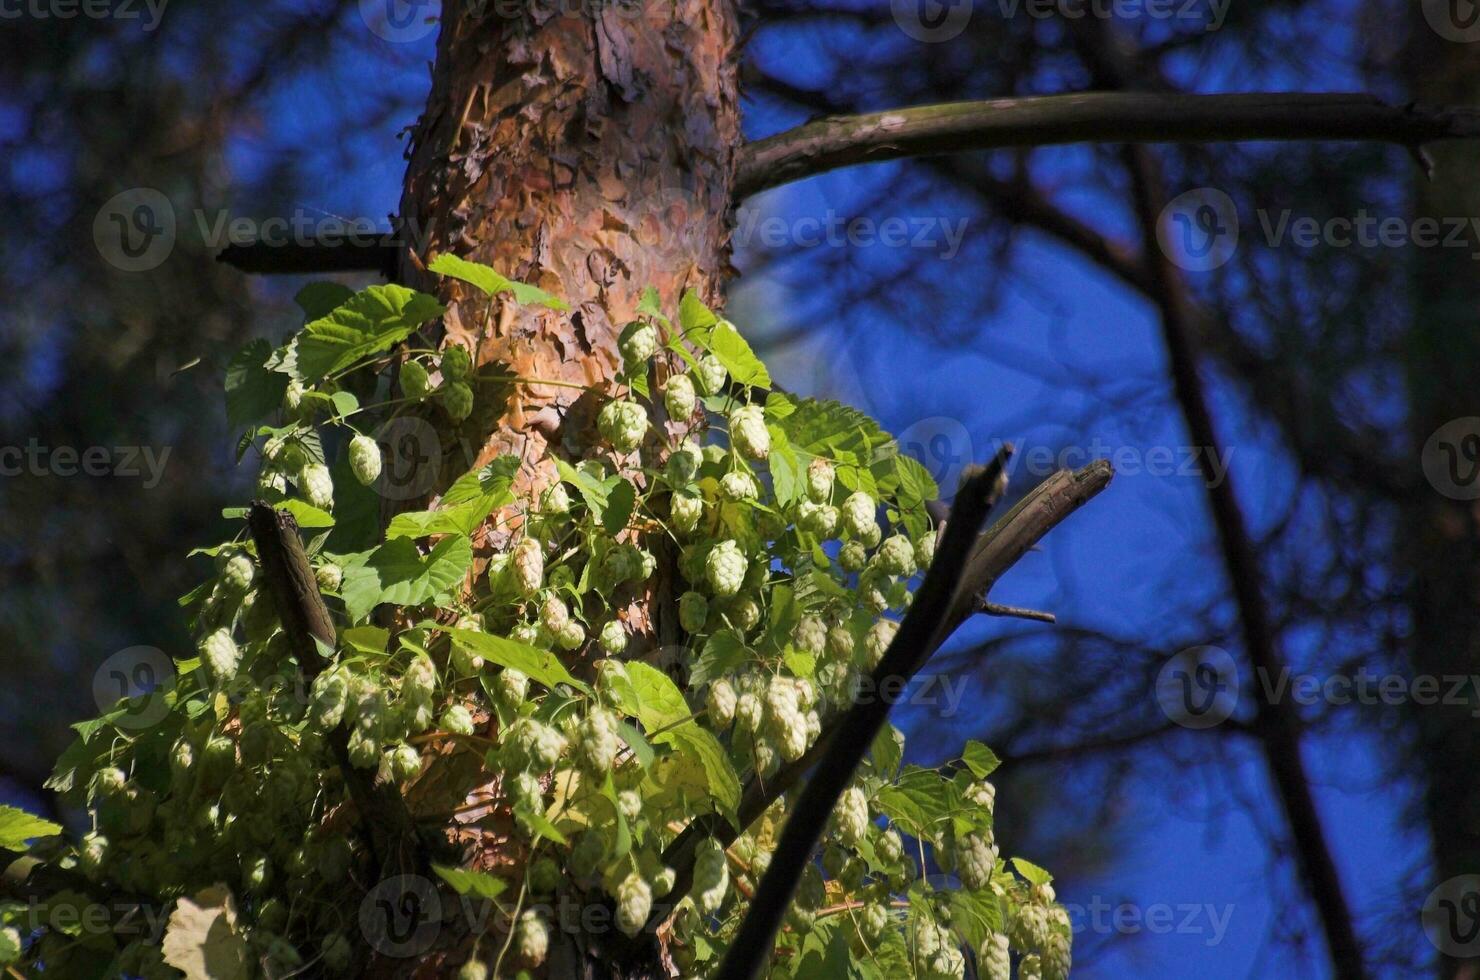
<point>465,505</point>
<point>651,305</point>
<point>724,785</point>
<point>17,826</point>
<point>540,665</point>
<point>976,915</point>
<point>366,639</point>
<point>642,750</point>
<point>252,391</point>
<point>723,652</point>
<point>1031,871</point>
<point>621,499</point>
<point>786,469</point>
<point>491,282</point>
<point>695,318</point>
<point>659,701</point>
<point>887,750</point>
<point>371,321</point>
<point>979,759</point>
<point>307,515</point>
<point>319,299</point>
<point>397,572</point>
<point>466,881</point>
<point>737,357</point>
<point>541,825</point>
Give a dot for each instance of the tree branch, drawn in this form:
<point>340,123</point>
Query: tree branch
<point>384,817</point>
<point>310,257</point>
<point>1112,117</point>
<point>1277,724</point>
<point>996,550</point>
<point>922,630</point>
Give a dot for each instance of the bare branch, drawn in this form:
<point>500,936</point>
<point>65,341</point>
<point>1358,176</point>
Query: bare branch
<point>924,626</point>
<point>324,256</point>
<point>1044,508</point>
<point>1277,724</point>
<point>1111,117</point>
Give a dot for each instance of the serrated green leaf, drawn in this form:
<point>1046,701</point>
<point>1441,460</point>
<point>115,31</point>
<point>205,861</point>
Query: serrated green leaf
<point>369,322</point>
<point>252,390</point>
<point>1031,871</point>
<point>466,881</point>
<point>319,299</point>
<point>737,357</point>
<point>621,499</point>
<point>492,282</point>
<point>307,515</point>
<point>887,750</point>
<point>979,759</point>
<point>399,573</point>
<point>695,318</point>
<point>659,701</point>
<point>539,665</point>
<point>17,826</point>
<point>723,652</point>
<point>700,743</point>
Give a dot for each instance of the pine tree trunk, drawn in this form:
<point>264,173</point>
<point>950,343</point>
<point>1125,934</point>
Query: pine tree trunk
<point>590,154</point>
<point>1442,536</point>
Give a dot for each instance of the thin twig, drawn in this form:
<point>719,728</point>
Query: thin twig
<point>1017,612</point>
